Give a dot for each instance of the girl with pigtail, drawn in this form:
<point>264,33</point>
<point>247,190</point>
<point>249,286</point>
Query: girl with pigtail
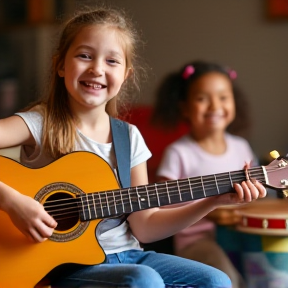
<point>205,96</point>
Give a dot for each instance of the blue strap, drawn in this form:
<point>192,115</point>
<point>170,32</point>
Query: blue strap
<point>122,148</point>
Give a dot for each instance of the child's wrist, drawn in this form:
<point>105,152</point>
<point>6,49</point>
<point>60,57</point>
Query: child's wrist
<point>6,195</point>
<point>213,203</point>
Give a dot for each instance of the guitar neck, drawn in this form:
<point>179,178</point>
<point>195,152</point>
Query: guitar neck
<point>122,201</point>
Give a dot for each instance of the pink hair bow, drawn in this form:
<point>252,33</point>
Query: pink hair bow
<point>189,70</point>
<point>232,74</point>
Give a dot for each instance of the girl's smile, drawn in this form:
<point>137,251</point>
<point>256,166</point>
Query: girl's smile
<point>95,86</point>
<point>215,117</point>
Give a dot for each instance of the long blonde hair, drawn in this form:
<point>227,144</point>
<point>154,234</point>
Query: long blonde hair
<point>59,131</point>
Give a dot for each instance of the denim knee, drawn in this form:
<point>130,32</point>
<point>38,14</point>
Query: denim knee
<point>142,276</point>
<point>217,279</point>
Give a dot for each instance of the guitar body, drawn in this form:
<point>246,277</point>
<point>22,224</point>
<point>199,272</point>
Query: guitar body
<point>81,186</point>
<point>24,263</point>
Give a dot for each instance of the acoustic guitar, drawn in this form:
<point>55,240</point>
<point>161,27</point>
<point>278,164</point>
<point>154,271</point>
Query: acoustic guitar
<point>81,187</point>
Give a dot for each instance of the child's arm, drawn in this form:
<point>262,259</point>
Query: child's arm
<point>158,223</point>
<point>14,132</point>
<point>27,214</point>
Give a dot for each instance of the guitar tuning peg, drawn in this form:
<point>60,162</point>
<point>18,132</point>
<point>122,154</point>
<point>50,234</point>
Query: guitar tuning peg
<point>274,154</point>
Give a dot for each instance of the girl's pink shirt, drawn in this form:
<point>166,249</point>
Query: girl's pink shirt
<point>185,158</point>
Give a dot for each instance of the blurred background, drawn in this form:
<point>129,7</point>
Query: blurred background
<point>250,36</point>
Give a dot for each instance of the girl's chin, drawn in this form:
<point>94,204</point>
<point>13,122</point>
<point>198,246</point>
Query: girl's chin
<point>214,124</point>
<point>216,128</point>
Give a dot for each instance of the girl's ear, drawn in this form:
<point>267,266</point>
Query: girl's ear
<point>61,72</point>
<point>183,107</point>
<point>128,73</point>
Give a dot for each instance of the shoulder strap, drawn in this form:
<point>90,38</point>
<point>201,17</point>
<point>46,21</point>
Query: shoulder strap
<point>121,144</point>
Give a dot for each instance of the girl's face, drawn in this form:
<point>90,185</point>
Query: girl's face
<point>210,105</point>
<point>94,67</point>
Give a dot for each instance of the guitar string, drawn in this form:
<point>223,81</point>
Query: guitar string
<point>114,200</point>
<point>100,214</point>
<point>159,190</point>
<point>167,184</point>
<point>219,179</point>
<point>170,191</point>
<point>196,179</point>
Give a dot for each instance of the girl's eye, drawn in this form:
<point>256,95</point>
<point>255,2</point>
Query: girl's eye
<point>223,98</point>
<point>112,61</point>
<point>200,98</point>
<point>84,56</point>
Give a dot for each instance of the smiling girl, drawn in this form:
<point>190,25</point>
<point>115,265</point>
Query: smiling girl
<point>205,96</point>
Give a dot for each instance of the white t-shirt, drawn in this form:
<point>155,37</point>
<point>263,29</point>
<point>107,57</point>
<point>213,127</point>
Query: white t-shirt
<point>185,158</point>
<point>120,237</point>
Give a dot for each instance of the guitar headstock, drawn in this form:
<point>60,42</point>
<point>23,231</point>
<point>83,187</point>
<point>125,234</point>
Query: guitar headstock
<point>277,173</point>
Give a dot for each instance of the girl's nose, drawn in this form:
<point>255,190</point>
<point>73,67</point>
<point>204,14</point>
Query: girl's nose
<point>214,104</point>
<point>96,69</point>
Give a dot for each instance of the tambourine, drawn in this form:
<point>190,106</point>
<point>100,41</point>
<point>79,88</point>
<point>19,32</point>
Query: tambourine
<point>265,217</point>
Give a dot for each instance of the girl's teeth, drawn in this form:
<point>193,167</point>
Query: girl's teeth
<point>94,86</point>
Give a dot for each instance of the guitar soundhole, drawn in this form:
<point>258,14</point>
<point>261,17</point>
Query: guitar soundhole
<point>64,210</point>
<point>60,201</point>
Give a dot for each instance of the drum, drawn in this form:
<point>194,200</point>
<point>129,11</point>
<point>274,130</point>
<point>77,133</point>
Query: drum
<point>264,241</point>
<point>265,217</point>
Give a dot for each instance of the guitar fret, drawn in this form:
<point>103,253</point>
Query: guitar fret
<point>105,204</point>
<point>131,206</point>
<point>123,207</point>
<point>173,192</point>
<point>148,196</point>
<point>138,196</point>
<point>88,206</point>
<point>192,196</point>
<point>101,206</point>
<point>169,199</point>
<point>185,190</point>
<point>216,184</point>
<point>119,202</point>
<point>83,209</point>
<point>230,179</point>
<point>94,205</point>
<point>157,194</point>
<point>153,202</point>
<point>107,201</point>
<point>179,190</point>
<point>115,206</point>
<point>143,197</point>
<point>203,186</point>
<point>163,194</point>
<point>112,204</point>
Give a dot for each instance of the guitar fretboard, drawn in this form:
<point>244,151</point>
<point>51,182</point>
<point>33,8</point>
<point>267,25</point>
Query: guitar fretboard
<point>123,201</point>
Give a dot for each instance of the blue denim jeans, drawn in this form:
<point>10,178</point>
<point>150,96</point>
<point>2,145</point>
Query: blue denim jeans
<point>139,269</point>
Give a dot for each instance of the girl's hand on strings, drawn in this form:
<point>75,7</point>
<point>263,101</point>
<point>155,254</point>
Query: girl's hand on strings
<point>30,218</point>
<point>246,192</point>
